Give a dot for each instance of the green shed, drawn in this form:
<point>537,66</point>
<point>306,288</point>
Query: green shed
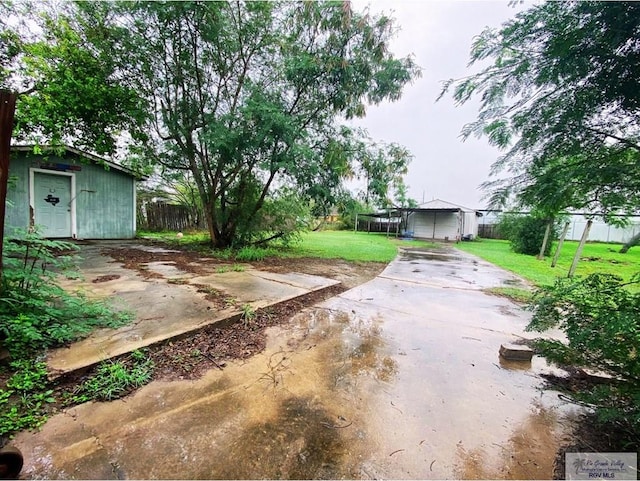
<point>68,193</point>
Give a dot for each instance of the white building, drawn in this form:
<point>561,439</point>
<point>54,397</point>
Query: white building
<point>441,220</point>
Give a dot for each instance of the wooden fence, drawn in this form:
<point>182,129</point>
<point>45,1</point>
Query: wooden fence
<point>161,216</point>
<point>488,231</point>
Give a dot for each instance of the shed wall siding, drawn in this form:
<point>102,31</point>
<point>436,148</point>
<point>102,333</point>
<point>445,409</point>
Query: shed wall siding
<point>470,224</point>
<point>104,203</point>
<point>105,200</point>
<point>17,206</point>
<point>431,225</point>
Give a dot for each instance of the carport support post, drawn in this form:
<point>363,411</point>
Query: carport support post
<point>7,112</point>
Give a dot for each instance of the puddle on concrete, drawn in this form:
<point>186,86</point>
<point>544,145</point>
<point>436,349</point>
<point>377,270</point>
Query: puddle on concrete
<point>512,282</point>
<point>299,442</point>
<point>527,454</point>
<point>335,395</point>
<point>419,255</point>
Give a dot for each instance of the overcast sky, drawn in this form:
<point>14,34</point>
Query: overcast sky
<point>439,33</point>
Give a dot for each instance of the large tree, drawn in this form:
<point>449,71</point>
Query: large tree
<point>249,96</point>
<point>561,96</point>
<point>67,90</point>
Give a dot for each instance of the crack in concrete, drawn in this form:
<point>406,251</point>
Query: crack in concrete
<point>430,284</point>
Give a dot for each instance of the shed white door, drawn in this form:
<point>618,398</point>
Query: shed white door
<point>52,204</point>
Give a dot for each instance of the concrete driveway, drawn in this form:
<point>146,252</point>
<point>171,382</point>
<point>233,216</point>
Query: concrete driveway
<point>397,378</point>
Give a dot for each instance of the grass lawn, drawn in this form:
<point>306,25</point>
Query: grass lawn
<point>596,257</point>
<point>328,244</point>
<point>351,246</point>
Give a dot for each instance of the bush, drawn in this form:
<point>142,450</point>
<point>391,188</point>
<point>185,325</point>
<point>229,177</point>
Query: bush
<point>35,312</point>
<point>601,319</point>
<point>525,233</point>
<point>24,398</point>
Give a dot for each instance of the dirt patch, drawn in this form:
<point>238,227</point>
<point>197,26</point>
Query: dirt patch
<point>350,274</point>
<point>210,348</point>
<point>219,299</point>
<point>107,278</point>
<point>137,259</point>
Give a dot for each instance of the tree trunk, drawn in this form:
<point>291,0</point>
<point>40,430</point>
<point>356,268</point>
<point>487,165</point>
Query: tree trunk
<point>565,230</point>
<point>630,243</point>
<point>208,213</point>
<point>547,232</point>
<point>583,240</point>
<point>7,111</point>
<point>319,226</point>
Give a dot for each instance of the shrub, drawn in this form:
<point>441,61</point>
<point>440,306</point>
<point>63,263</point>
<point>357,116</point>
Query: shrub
<point>507,226</point>
<point>601,319</point>
<point>525,233</point>
<point>23,401</point>
<point>35,312</point>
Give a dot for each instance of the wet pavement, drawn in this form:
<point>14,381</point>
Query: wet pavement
<point>397,378</point>
<point>168,306</point>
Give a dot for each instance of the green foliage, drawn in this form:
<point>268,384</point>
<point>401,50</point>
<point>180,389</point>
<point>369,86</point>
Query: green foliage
<point>23,401</point>
<point>348,210</point>
<point>249,254</point>
<point>383,168</point>
<point>508,225</point>
<point>248,314</point>
<point>71,91</point>
<point>348,245</point>
<point>282,217</point>
<point>115,379</point>
<point>525,233</point>
<point>35,312</point>
<point>584,153</point>
<point>601,319</point>
<point>29,375</point>
<point>252,254</point>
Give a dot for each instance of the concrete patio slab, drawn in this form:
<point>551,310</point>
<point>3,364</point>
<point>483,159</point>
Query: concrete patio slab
<point>164,310</point>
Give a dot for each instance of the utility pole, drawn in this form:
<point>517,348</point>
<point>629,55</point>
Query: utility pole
<point>7,113</point>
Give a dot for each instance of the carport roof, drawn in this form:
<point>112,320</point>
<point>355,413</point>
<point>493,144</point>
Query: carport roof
<point>434,205</point>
